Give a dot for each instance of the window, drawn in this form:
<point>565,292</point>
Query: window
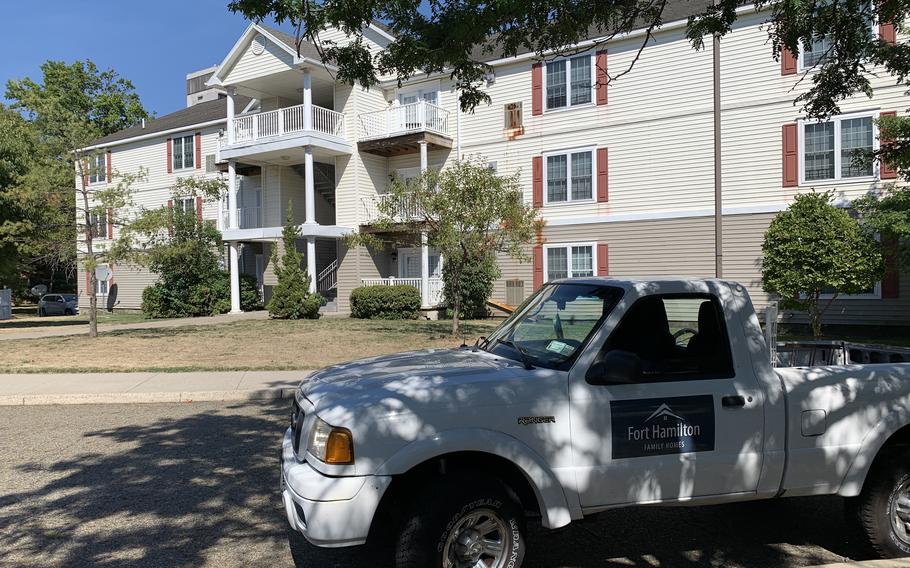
<point>100,287</point>
<point>512,116</point>
<point>97,168</point>
<point>569,261</point>
<point>676,337</point>
<point>186,205</point>
<point>814,52</point>
<point>183,152</point>
<point>99,225</point>
<point>570,177</point>
<point>569,82</point>
<point>832,150</point>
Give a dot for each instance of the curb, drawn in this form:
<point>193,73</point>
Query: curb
<point>143,397</point>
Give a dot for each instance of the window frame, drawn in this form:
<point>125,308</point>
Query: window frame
<point>107,286</point>
<point>98,165</point>
<point>568,77</point>
<point>181,204</point>
<point>838,177</point>
<point>568,154</point>
<point>101,228</point>
<point>183,139</point>
<point>568,247</point>
<point>800,57</point>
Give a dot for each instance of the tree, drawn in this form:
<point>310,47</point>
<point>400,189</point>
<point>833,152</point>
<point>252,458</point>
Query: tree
<point>469,214</point>
<point>291,297</point>
<point>814,248</point>
<point>454,37</point>
<point>73,106</point>
<point>888,214</point>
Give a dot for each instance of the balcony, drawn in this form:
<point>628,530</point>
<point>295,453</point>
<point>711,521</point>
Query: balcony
<point>399,130</point>
<point>278,133</point>
<point>247,218</point>
<point>435,286</point>
<point>404,210</point>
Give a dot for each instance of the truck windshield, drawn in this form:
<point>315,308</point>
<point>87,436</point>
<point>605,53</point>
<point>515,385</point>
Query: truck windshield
<point>552,327</point>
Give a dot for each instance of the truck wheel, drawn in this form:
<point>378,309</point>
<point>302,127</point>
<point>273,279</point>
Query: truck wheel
<point>883,507</point>
<point>464,522</point>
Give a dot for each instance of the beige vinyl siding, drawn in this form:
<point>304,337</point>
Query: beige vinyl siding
<point>274,59</point>
<point>125,291</point>
<point>356,264</point>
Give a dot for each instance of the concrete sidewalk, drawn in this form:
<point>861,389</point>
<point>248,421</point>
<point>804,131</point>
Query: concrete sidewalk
<point>82,329</point>
<point>95,388</point>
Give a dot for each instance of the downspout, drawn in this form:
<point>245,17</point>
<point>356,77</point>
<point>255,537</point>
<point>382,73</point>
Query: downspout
<point>718,191</point>
<point>457,126</point>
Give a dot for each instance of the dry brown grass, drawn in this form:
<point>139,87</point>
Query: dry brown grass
<point>246,345</point>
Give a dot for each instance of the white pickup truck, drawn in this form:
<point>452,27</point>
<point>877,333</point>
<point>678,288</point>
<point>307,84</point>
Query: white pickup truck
<point>595,394</point>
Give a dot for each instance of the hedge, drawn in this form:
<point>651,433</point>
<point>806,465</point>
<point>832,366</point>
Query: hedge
<point>385,302</point>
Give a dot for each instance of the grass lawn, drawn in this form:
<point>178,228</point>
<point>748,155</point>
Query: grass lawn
<point>244,345</point>
<point>25,319</point>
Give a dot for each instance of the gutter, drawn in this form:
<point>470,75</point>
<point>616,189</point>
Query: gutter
<point>156,134</point>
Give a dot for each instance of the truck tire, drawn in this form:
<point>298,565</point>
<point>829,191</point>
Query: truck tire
<point>883,507</point>
<point>459,521</point>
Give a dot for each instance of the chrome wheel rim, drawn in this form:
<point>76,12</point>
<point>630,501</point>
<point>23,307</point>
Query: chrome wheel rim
<point>477,540</point>
<point>900,511</point>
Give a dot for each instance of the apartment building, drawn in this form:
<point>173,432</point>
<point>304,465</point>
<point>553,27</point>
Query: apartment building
<point>623,175</point>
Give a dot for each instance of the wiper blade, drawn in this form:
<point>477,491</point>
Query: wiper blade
<point>526,361</point>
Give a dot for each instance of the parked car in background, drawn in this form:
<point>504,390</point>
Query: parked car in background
<point>58,305</point>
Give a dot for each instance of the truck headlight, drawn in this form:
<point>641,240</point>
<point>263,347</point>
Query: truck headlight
<point>331,444</point>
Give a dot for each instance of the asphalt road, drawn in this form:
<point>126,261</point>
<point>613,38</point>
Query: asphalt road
<point>147,485</point>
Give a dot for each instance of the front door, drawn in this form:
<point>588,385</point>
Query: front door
<point>689,425</point>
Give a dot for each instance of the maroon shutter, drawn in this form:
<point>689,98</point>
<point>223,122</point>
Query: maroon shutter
<point>787,62</point>
<point>170,156</point>
<point>886,32</point>
<point>537,193</point>
<point>790,156</point>
<point>603,194</point>
<point>891,282</point>
<point>537,89</point>
<point>110,167</point>
<point>603,260</point>
<point>538,266</point>
<point>110,224</point>
<point>886,171</point>
<point>198,150</point>
<point>170,217</point>
<point>601,77</point>
<point>199,207</point>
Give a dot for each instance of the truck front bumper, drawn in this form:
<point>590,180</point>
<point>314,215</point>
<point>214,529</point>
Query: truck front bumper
<point>328,511</point>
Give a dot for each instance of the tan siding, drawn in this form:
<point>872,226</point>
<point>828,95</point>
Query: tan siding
<point>273,59</point>
<point>125,291</point>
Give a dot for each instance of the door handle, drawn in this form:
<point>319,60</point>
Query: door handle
<point>733,401</point>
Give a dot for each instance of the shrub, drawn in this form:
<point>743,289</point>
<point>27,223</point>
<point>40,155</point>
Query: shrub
<point>475,287</point>
<point>291,297</point>
<point>385,302</point>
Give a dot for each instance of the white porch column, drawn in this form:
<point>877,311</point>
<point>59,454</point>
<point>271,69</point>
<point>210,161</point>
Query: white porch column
<point>311,262</point>
<point>307,101</point>
<point>230,116</point>
<point>309,188</point>
<point>423,156</point>
<point>232,195</point>
<point>424,270</point>
<point>235,276</point>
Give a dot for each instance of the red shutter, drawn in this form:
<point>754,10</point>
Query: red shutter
<point>603,260</point>
<point>170,217</point>
<point>537,89</point>
<point>170,156</point>
<point>198,150</point>
<point>602,77</point>
<point>110,224</point>
<point>199,207</point>
<point>110,168</point>
<point>538,266</point>
<point>886,32</point>
<point>891,282</point>
<point>537,194</point>
<point>603,178</point>
<point>886,171</point>
<point>787,62</point>
<point>790,156</point>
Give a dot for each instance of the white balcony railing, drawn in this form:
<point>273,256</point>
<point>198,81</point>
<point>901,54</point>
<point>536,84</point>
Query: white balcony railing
<point>435,286</point>
<point>328,278</point>
<point>403,209</point>
<point>288,120</point>
<point>247,218</point>
<point>403,119</point>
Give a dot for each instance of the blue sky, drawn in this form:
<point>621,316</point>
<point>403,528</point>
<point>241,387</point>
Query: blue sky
<point>153,44</point>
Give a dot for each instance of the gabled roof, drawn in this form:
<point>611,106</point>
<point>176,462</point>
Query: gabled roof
<point>195,115</point>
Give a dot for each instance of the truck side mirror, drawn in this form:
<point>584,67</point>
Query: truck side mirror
<point>616,368</point>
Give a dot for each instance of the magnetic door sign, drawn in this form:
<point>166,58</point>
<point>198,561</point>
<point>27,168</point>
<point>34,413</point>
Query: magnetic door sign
<point>657,426</point>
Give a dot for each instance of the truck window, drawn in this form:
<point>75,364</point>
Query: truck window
<point>676,337</point>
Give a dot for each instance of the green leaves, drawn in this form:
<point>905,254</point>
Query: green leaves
<point>291,297</point>
<point>814,248</point>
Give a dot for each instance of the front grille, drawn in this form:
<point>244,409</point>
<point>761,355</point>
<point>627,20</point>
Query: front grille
<point>297,416</point>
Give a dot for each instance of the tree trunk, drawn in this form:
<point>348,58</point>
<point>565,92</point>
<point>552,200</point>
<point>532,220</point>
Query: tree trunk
<point>456,301</point>
<point>815,319</point>
<point>89,264</point>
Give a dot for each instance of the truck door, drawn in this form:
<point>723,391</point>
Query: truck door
<point>680,421</point>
